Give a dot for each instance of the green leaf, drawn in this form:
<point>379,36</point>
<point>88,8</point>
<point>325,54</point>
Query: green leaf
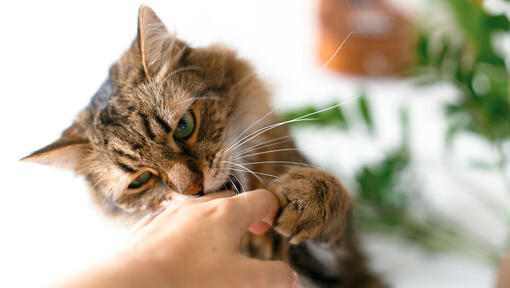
<point>422,49</point>
<point>479,72</point>
<point>404,126</point>
<point>445,47</point>
<point>365,111</point>
<point>332,117</point>
<point>452,131</point>
<point>499,22</point>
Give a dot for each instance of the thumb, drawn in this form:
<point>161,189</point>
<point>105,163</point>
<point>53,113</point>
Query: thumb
<point>275,274</point>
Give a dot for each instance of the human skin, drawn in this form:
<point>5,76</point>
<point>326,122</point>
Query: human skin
<point>196,245</point>
<point>503,280</point>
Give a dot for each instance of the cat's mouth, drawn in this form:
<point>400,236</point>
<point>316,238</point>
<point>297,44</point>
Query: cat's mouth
<point>232,183</point>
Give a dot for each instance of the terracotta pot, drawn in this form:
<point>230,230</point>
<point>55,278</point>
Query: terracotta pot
<point>381,43</point>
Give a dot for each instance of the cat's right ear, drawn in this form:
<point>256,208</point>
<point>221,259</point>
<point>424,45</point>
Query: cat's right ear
<point>153,48</point>
<point>66,152</point>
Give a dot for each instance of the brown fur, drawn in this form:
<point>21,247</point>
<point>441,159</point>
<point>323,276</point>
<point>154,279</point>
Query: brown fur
<point>128,128</point>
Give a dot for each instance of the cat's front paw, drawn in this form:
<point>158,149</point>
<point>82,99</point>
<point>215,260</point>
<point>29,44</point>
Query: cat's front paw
<point>313,205</point>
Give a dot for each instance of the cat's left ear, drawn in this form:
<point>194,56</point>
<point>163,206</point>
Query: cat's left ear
<point>66,152</point>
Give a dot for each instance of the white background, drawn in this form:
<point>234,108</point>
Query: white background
<point>54,55</point>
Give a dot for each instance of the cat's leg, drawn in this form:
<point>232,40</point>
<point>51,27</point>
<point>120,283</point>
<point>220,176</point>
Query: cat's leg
<point>314,205</point>
<point>315,216</point>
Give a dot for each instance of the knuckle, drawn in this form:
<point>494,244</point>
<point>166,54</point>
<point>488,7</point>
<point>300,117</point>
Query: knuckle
<point>211,208</point>
<point>222,207</point>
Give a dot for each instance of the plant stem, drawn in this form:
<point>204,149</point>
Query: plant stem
<point>502,166</point>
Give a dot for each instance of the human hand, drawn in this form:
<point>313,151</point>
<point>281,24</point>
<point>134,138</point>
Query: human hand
<point>503,280</point>
<point>197,244</point>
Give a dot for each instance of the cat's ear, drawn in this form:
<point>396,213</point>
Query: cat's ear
<point>154,44</point>
<point>66,152</point>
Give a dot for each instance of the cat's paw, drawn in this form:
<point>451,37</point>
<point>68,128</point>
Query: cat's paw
<point>313,205</point>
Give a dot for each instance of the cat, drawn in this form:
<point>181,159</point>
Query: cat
<point>174,121</point>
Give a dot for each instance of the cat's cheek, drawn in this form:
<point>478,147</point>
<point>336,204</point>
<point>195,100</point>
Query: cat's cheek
<point>212,184</point>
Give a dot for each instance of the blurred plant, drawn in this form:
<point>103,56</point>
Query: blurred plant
<point>387,199</point>
<point>478,71</point>
<point>332,117</point>
<point>385,194</point>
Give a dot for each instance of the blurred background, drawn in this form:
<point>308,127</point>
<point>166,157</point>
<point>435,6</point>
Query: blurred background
<point>421,137</point>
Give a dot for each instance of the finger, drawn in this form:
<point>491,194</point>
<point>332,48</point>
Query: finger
<point>248,208</point>
<point>142,223</point>
<point>259,228</point>
<point>215,195</point>
<point>272,274</point>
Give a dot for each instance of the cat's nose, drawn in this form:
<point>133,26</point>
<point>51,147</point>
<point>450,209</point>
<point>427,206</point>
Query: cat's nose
<point>185,180</point>
<point>195,188</point>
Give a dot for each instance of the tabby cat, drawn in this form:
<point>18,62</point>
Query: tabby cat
<point>173,121</point>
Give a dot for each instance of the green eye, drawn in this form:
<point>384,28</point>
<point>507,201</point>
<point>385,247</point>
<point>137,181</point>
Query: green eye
<point>141,180</point>
<point>185,127</point>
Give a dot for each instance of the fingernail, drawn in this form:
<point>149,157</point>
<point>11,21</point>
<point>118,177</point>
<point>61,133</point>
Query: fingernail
<point>294,279</point>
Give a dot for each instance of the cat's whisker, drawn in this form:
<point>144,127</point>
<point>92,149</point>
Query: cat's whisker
<point>97,182</point>
<point>258,173</point>
<point>267,128</point>
<point>279,162</point>
<point>244,168</point>
<point>242,187</point>
<point>263,117</point>
<point>335,53</point>
<point>89,190</point>
<point>234,185</point>
<point>266,152</point>
<point>297,119</point>
<point>261,145</point>
<point>241,141</point>
<point>240,183</point>
<point>272,140</point>
<point>108,194</point>
<point>225,186</point>
<point>249,127</point>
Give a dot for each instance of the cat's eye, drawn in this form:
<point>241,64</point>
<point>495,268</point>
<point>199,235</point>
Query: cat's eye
<point>142,182</point>
<point>185,126</point>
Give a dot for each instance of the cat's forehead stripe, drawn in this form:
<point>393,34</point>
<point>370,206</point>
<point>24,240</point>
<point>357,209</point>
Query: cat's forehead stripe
<point>147,126</point>
<point>125,154</point>
<point>183,61</point>
<point>163,124</point>
<point>126,167</point>
<point>218,89</point>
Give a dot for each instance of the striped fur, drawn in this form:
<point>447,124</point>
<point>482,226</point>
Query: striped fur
<point>128,126</point>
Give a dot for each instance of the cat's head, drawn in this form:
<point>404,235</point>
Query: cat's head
<point>162,123</point>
